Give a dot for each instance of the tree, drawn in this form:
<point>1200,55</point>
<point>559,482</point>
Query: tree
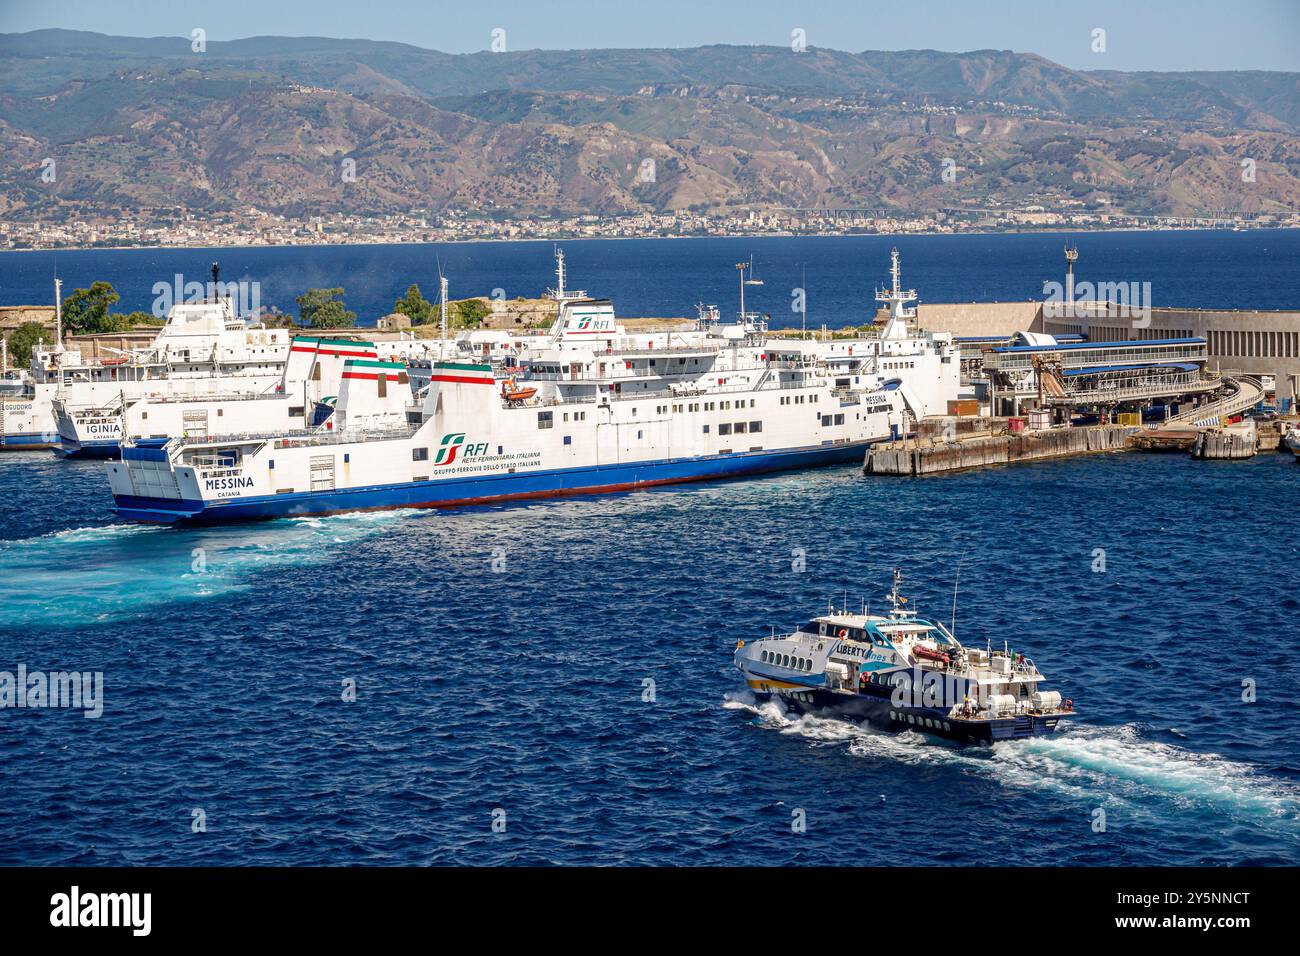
<point>415,306</point>
<point>23,339</point>
<point>468,313</point>
<point>325,309</point>
<point>86,310</point>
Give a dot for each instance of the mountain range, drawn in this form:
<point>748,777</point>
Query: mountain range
<point>307,126</point>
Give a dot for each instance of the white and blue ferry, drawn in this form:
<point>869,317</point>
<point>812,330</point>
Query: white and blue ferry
<point>901,672</point>
<point>601,410</point>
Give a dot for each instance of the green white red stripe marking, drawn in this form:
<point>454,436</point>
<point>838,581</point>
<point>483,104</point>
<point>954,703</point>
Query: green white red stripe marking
<point>468,373</point>
<point>360,369</point>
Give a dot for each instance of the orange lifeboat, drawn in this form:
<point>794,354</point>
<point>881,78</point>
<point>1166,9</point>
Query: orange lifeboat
<point>513,394</point>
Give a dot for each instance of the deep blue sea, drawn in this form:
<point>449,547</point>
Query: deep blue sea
<point>653,277</point>
<point>501,659</point>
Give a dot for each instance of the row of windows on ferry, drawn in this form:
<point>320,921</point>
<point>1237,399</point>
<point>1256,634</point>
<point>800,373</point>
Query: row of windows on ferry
<point>547,420</point>
<point>550,368</point>
<point>785,660</point>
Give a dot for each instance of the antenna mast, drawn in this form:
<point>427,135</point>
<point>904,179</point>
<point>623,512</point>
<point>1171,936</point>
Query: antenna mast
<point>442,346</point>
<point>957,577</point>
<point>58,315</point>
<point>559,293</point>
<point>899,300</point>
<point>741,267</point>
<point>1071,256</point>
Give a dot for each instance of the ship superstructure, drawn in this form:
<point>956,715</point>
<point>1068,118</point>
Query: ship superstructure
<point>202,349</point>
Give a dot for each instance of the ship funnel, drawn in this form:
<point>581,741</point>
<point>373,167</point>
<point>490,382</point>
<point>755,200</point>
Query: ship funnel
<point>315,366</point>
<point>373,395</point>
<point>456,387</point>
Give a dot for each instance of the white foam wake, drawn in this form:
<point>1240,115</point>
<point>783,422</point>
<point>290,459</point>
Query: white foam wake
<point>1100,764</point>
<point>98,573</point>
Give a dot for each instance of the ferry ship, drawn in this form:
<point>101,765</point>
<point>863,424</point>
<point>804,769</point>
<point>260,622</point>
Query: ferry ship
<point>901,672</point>
<point>599,410</point>
<point>202,349</point>
<point>73,403</point>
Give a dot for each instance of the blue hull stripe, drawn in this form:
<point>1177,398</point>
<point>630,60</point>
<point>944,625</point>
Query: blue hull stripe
<point>462,491</point>
<point>69,448</point>
<point>26,440</point>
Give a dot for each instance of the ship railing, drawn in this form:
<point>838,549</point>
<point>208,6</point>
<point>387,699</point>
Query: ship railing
<point>703,392</point>
<point>344,436</point>
<point>272,392</point>
<point>701,349</point>
<point>224,472</point>
<point>305,436</point>
<point>110,408</point>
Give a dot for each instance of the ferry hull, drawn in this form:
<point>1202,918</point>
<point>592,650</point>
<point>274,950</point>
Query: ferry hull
<point>881,712</point>
<point>71,448</point>
<point>487,490</point>
<point>29,442</point>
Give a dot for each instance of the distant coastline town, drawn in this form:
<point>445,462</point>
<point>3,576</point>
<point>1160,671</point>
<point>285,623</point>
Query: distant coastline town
<point>259,228</point>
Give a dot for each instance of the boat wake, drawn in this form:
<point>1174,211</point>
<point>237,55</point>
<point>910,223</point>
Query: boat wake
<point>82,575</point>
<point>1106,766</point>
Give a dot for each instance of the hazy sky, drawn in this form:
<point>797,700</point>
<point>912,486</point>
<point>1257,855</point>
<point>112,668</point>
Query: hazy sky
<point>1140,34</point>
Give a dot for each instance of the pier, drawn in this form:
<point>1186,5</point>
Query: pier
<point>976,449</point>
<point>1236,441</point>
